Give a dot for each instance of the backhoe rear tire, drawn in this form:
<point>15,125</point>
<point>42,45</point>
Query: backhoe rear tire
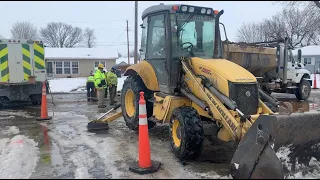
<point>130,95</point>
<point>186,133</point>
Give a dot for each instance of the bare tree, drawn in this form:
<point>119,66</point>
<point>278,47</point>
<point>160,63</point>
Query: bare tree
<point>61,35</point>
<point>252,32</point>
<point>308,4</point>
<point>300,26</point>
<point>89,37</point>
<point>24,30</point>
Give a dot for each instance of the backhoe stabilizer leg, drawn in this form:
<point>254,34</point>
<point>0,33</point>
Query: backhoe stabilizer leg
<point>254,158</point>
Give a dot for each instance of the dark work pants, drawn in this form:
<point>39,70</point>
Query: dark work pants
<point>113,92</point>
<point>90,89</point>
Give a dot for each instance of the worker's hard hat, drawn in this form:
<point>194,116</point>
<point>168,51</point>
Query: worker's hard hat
<point>100,66</point>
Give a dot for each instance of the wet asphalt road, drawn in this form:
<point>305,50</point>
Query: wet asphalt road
<point>62,148</point>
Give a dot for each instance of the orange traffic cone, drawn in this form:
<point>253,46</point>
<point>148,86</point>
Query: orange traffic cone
<point>44,108</point>
<point>145,165</point>
<point>315,81</point>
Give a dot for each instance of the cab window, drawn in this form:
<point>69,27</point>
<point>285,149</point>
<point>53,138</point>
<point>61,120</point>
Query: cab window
<point>156,37</point>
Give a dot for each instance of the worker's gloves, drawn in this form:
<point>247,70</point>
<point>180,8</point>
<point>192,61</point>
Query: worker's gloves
<point>100,85</point>
<point>103,82</point>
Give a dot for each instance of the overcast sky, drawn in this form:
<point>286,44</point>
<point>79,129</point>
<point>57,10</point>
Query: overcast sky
<point>109,18</point>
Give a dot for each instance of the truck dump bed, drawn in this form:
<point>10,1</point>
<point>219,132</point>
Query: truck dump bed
<point>257,60</point>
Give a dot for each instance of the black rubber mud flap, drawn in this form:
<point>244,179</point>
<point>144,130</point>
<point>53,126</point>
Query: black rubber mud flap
<point>254,157</point>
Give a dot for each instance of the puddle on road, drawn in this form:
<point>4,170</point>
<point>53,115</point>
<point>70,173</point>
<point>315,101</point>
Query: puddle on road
<point>299,106</point>
<point>25,124</point>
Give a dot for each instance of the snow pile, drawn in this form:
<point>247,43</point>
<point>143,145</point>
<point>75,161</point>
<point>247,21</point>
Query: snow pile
<point>66,85</point>
<point>18,158</point>
<point>283,154</point>
<point>11,130</point>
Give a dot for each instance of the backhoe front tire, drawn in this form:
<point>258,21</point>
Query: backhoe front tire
<point>186,133</point>
<point>130,95</point>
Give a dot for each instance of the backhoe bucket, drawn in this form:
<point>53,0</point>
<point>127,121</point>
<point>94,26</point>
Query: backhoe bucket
<point>255,157</point>
<point>300,133</point>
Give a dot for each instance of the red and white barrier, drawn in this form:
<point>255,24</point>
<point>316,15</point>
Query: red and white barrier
<point>315,81</point>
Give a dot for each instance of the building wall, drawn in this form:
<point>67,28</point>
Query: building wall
<point>84,67</point>
<point>314,66</point>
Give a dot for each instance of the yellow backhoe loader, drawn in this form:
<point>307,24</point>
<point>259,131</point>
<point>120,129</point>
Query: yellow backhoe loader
<point>186,82</point>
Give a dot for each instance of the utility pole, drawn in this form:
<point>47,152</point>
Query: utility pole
<point>135,32</point>
<point>128,43</point>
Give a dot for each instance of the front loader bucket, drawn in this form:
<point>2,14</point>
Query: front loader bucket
<point>254,157</point>
<point>300,133</point>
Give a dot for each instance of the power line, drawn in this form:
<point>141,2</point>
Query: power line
<point>119,37</point>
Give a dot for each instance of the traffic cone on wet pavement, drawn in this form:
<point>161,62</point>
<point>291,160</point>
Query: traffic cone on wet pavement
<point>144,165</point>
<point>44,108</point>
<point>315,81</point>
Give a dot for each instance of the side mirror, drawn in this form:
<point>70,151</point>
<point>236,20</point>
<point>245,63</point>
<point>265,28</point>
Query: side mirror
<point>225,34</point>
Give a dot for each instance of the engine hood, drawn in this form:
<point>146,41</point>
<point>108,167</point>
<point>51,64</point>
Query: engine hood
<point>223,68</point>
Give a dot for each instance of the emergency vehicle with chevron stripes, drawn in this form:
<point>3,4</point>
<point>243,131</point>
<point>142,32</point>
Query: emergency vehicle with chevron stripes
<point>23,70</point>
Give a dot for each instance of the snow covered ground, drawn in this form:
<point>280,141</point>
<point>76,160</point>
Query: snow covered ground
<point>75,85</point>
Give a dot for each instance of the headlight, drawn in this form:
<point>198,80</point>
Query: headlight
<point>191,9</point>
<point>203,10</point>
<point>209,11</point>
<point>184,8</point>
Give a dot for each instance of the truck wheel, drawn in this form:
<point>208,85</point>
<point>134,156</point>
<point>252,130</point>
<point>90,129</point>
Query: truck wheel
<point>130,95</point>
<point>186,133</point>
<point>304,90</point>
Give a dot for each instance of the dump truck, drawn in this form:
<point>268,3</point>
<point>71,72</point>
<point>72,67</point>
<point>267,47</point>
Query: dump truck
<point>273,65</point>
<point>23,71</point>
<point>190,86</point>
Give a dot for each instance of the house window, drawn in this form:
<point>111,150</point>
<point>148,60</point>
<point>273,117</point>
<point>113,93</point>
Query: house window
<point>66,67</point>
<point>58,67</point>
<point>96,63</point>
<point>49,67</point>
<point>75,67</point>
<point>307,60</point>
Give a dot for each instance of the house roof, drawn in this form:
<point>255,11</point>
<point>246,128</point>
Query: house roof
<point>123,63</point>
<point>125,60</point>
<point>307,51</point>
<point>81,53</point>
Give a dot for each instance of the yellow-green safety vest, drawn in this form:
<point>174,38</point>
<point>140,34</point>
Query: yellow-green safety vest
<point>112,78</point>
<point>98,77</point>
<point>90,79</point>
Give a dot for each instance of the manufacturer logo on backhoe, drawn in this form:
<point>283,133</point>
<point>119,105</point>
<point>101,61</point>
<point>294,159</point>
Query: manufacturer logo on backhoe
<point>222,113</point>
<point>205,70</point>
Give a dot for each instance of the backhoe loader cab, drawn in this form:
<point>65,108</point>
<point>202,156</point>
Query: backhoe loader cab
<point>172,31</point>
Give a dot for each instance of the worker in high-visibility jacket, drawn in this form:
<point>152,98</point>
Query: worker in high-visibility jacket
<point>100,84</point>
<point>90,87</point>
<point>112,81</point>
